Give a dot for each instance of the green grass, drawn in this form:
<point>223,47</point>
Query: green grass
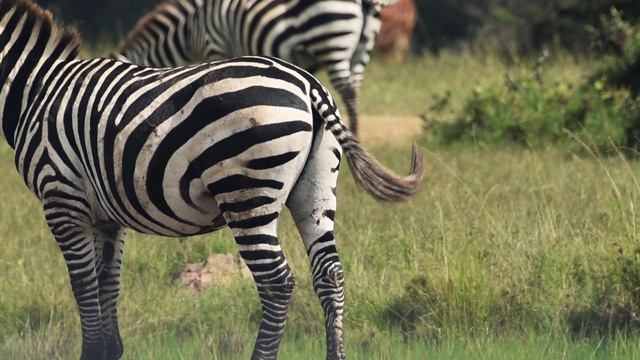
<point>505,254</point>
<point>502,253</point>
<point>543,348</point>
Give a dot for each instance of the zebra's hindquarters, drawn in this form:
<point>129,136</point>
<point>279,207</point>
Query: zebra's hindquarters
<point>312,204</point>
<point>251,190</point>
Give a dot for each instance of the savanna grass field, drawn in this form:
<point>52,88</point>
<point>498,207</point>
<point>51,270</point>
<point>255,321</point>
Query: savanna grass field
<point>508,252</point>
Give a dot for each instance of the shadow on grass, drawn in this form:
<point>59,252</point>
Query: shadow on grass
<point>618,309</point>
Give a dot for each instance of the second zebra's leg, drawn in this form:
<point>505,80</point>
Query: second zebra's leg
<point>350,90</point>
<point>342,80</point>
<point>109,244</point>
<point>254,223</point>
<point>313,206</point>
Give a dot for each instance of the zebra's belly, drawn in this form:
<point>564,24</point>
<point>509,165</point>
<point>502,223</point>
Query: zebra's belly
<point>186,221</point>
<point>175,226</point>
<point>168,213</point>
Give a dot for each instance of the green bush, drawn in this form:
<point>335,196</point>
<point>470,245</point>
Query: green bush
<point>602,111</point>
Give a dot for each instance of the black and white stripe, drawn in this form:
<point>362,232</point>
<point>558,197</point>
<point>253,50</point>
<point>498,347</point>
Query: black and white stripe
<point>108,146</point>
<point>337,35</point>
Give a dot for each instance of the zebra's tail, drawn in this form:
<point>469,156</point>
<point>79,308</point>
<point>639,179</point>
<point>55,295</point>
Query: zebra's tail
<point>376,179</point>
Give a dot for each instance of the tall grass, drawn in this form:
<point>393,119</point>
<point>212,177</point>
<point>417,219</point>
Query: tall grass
<point>510,249</point>
<point>413,86</point>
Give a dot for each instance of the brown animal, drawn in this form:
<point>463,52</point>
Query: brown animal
<point>398,22</point>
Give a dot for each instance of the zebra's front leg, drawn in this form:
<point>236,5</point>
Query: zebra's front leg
<point>255,228</point>
<point>350,92</point>
<point>349,89</point>
<point>109,244</point>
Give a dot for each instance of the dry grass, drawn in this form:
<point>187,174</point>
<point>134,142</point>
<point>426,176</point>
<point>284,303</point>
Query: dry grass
<point>391,130</point>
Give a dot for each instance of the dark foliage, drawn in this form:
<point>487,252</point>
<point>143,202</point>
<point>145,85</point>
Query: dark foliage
<point>441,23</point>
<point>100,19</point>
<point>529,25</point>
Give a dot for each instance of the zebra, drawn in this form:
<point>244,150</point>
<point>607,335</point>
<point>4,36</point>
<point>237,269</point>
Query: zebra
<point>337,35</point>
<point>108,147</point>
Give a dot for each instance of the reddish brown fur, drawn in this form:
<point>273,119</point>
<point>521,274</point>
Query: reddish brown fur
<point>398,22</point>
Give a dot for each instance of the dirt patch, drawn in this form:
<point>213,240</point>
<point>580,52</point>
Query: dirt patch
<point>396,130</point>
<point>217,269</point>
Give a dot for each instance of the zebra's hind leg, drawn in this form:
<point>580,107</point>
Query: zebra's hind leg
<point>254,223</point>
<point>109,244</point>
<point>76,242</point>
<point>312,203</point>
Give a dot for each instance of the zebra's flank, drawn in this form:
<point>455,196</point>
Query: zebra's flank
<point>382,3</point>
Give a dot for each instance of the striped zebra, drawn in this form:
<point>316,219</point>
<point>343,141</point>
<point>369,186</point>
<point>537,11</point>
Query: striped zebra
<point>336,35</point>
<point>109,146</point>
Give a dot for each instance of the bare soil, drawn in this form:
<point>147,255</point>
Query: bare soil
<point>395,130</point>
<point>217,269</point>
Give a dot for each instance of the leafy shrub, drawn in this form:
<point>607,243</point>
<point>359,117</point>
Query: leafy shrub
<point>602,111</point>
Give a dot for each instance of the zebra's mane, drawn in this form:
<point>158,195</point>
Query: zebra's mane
<point>66,37</point>
<point>145,20</point>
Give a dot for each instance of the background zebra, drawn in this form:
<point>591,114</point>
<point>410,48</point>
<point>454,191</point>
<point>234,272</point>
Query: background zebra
<point>107,146</point>
<point>337,35</point>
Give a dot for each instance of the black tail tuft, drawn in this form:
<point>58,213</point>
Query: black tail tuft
<point>380,182</point>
